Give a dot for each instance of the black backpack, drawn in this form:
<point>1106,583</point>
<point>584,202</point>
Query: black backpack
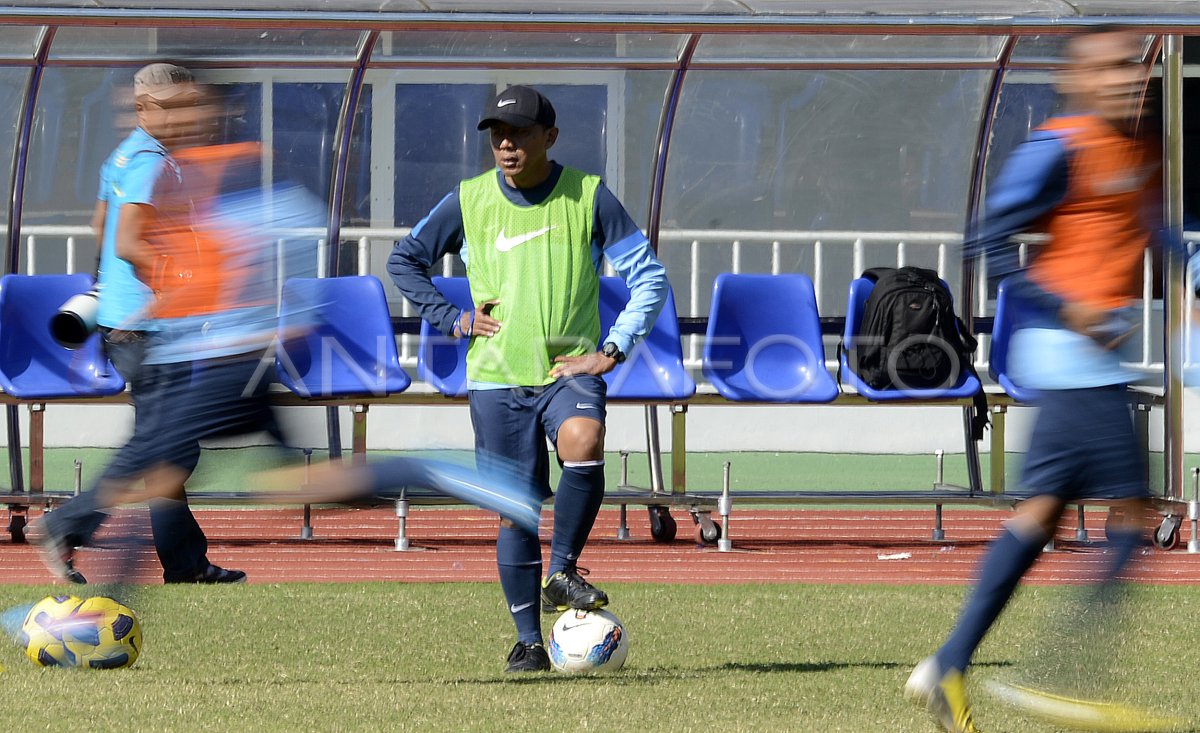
<point>910,337</point>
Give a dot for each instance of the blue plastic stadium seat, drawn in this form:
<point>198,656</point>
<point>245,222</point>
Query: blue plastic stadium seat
<point>33,366</point>
<point>441,360</point>
<point>966,385</point>
<point>338,339</point>
<point>1010,314</point>
<point>764,340</point>
<point>654,370</point>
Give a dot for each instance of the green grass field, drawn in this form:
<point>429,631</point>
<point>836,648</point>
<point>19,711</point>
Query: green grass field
<point>388,657</point>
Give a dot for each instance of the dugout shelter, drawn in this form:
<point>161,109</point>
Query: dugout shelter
<point>818,137</point>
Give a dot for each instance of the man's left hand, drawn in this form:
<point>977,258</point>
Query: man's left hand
<point>593,363</point>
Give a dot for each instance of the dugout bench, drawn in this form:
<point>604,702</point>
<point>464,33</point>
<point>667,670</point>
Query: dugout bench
<point>372,376</point>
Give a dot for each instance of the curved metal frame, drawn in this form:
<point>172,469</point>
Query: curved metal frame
<point>12,258</point>
<point>974,199</point>
<point>595,22</point>
<point>666,126</point>
<point>337,191</point>
<point>1174,266</point>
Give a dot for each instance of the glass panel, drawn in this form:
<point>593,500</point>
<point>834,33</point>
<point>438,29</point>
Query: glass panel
<point>511,46</point>
<point>304,122</point>
<point>19,41</point>
<point>1040,49</point>
<point>80,117</point>
<point>1050,8</point>
<point>1051,50</point>
<point>607,121</point>
<point>430,161</point>
<point>83,113</point>
<point>765,165</point>
<point>402,6</point>
<point>916,8</point>
<point>739,47</point>
<point>1027,99</point>
<point>1191,155</point>
<point>13,83</point>
<point>666,7</point>
<point>202,43</point>
<point>1145,8</point>
<point>374,6</point>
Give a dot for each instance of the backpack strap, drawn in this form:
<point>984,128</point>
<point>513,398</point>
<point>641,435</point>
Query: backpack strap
<point>841,349</point>
<point>979,421</point>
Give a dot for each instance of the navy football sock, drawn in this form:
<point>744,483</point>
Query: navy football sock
<point>519,559</point>
<point>576,503</point>
<point>1009,556</point>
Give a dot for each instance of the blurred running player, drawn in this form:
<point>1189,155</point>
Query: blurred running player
<point>170,116</point>
<point>1087,178</point>
<point>197,247</point>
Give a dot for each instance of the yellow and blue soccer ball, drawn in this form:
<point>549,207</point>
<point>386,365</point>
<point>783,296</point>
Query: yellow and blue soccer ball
<point>588,641</point>
<point>96,633</point>
<point>41,631</point>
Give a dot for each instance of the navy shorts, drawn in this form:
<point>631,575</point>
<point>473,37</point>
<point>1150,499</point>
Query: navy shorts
<point>512,425</point>
<point>1084,446</point>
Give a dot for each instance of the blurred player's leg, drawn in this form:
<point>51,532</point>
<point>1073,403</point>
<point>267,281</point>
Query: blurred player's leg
<point>74,523</point>
<point>938,683</point>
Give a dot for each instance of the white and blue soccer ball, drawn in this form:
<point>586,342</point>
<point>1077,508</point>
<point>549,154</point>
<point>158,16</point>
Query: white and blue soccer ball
<point>588,641</point>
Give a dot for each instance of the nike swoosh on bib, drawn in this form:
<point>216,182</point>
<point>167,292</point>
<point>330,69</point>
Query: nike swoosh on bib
<point>504,243</point>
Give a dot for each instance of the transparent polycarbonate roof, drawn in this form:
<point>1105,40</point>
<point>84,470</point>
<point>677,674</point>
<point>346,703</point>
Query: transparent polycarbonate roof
<point>805,135</point>
<point>918,8</point>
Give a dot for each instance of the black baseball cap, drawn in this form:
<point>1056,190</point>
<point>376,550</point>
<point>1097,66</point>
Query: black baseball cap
<point>520,107</point>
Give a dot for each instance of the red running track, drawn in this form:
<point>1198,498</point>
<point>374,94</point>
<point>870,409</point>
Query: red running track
<point>770,546</point>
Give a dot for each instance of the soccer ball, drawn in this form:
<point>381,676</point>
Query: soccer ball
<point>41,633</point>
<point>588,641</point>
<point>97,633</point>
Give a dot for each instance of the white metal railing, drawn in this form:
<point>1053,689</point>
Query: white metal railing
<point>856,250</point>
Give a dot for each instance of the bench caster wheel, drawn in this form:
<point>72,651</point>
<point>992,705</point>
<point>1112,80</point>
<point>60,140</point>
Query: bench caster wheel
<point>1166,537</point>
<point>662,524</point>
<point>706,531</point>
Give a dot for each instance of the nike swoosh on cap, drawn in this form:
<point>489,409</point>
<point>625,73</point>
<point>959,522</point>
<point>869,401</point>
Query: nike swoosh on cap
<point>514,608</point>
<point>505,102</point>
<point>504,243</point>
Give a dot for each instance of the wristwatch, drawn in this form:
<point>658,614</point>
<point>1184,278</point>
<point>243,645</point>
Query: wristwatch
<point>612,352</point>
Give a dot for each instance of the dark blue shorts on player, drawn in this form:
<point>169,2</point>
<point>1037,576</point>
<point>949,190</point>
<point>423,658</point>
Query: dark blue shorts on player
<point>512,425</point>
<point>1084,446</point>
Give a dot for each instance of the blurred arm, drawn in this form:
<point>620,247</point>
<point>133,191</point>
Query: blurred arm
<point>1032,182</point>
